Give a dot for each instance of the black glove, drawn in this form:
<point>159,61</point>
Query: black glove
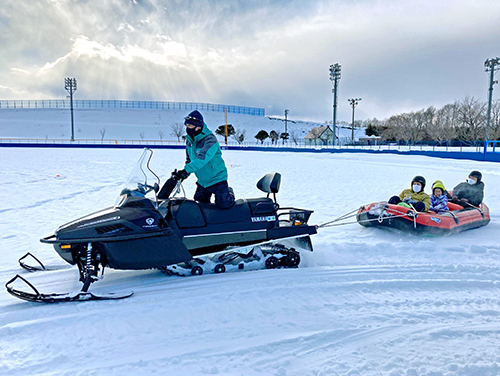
<point>180,175</point>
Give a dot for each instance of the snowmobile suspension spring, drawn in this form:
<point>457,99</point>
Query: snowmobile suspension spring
<point>88,264</point>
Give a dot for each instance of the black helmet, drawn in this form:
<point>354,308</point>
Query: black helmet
<point>419,179</point>
<point>476,174</point>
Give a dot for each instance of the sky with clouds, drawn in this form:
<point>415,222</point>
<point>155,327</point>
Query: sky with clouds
<point>397,55</point>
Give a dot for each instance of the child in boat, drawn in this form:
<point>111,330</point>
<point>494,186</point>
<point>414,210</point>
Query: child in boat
<point>439,201</point>
<point>414,196</point>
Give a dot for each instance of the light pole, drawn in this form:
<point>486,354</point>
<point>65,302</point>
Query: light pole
<point>335,77</point>
<point>353,102</point>
<point>286,125</point>
<point>70,86</point>
<point>491,66</point>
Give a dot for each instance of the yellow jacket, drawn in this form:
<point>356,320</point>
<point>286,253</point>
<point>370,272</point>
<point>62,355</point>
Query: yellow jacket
<point>420,196</point>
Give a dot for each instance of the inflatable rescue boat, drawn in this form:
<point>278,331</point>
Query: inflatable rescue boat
<point>457,219</point>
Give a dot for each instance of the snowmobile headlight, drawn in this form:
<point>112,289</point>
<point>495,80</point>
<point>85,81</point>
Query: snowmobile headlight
<point>65,246</point>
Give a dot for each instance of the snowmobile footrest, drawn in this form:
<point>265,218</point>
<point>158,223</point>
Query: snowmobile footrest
<point>38,297</point>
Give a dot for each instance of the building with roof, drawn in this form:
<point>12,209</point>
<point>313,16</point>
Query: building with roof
<point>322,135</point>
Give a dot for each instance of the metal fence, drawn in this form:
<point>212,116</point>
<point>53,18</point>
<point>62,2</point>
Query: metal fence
<point>476,147</point>
<point>491,152</point>
<point>98,104</point>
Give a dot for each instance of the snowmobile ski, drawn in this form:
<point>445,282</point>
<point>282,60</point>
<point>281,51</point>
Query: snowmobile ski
<point>37,265</point>
<point>79,296</point>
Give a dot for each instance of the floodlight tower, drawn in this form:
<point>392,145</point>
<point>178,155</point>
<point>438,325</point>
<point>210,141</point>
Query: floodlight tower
<point>335,77</point>
<point>70,86</point>
<point>353,102</point>
<point>491,65</point>
<point>286,121</point>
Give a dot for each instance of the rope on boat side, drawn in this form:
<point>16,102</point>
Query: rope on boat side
<point>355,213</point>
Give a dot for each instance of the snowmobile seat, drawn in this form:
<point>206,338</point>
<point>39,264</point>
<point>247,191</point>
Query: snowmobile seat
<point>270,183</point>
<point>187,214</point>
<point>191,214</point>
<point>262,206</point>
<point>239,212</point>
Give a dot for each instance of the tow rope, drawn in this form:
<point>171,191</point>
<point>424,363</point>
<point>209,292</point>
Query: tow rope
<point>354,213</point>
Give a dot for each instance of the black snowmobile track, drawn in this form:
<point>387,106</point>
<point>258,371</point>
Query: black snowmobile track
<point>38,297</point>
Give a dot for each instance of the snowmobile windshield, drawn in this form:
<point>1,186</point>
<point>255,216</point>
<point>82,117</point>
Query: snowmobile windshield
<point>142,181</point>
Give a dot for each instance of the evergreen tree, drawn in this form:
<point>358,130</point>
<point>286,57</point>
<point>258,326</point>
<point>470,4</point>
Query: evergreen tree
<point>372,130</point>
<point>261,136</point>
<point>221,132</point>
<point>284,136</point>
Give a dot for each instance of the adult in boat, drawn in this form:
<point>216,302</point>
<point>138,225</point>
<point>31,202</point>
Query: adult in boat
<point>470,192</point>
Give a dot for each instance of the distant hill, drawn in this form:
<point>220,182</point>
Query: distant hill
<point>132,124</point>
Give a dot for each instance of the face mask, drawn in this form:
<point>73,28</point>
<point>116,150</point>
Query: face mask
<point>416,188</point>
<point>471,181</point>
<point>192,132</point>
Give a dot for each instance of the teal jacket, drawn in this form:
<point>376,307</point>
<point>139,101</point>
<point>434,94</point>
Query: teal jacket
<point>204,158</point>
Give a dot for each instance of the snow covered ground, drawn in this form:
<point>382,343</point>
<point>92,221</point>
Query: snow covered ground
<point>365,302</point>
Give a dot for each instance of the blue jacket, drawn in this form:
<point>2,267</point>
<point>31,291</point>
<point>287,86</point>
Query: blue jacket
<point>204,158</point>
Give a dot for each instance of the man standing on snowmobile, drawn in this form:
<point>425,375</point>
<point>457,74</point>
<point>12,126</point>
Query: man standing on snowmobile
<point>204,159</point>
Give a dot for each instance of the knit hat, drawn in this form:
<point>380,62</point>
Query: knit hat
<point>419,179</point>
<point>438,184</point>
<point>477,175</point>
<point>194,118</point>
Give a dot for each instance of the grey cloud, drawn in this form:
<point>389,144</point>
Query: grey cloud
<point>398,56</point>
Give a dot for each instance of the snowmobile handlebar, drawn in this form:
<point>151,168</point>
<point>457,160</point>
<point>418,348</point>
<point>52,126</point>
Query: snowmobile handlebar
<point>179,175</point>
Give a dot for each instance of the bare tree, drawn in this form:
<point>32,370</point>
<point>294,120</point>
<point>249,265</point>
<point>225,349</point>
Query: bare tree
<point>239,135</point>
<point>142,135</point>
<point>443,128</point>
<point>425,121</point>
<point>472,119</point>
<point>464,120</point>
<point>274,136</point>
<point>294,136</point>
<point>400,127</point>
<point>495,120</point>
<point>161,134</point>
<point>102,131</point>
<point>177,130</point>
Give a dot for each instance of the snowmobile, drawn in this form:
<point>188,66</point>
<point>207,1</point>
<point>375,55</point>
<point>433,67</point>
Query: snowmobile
<point>149,228</point>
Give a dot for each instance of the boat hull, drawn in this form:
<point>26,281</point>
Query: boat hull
<point>382,214</point>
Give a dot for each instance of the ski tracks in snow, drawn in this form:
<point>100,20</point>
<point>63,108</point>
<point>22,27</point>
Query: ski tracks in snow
<point>312,321</point>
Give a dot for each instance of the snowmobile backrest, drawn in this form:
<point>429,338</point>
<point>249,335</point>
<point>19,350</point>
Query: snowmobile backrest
<point>270,183</point>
